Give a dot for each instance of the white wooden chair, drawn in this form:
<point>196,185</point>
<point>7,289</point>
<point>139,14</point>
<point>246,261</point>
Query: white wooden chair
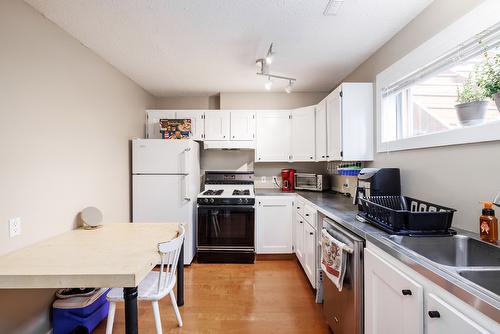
<point>156,285</point>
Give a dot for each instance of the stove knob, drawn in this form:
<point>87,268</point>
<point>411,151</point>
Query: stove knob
<point>240,200</point>
<point>245,200</point>
<point>212,200</point>
<point>205,200</point>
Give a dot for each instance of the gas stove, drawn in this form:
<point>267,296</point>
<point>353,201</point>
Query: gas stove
<point>228,188</point>
<point>226,218</point>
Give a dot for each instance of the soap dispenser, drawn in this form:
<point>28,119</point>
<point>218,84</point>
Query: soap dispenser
<point>488,224</point>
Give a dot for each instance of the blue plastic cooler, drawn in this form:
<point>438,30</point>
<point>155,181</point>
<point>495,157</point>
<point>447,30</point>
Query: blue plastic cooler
<point>88,312</point>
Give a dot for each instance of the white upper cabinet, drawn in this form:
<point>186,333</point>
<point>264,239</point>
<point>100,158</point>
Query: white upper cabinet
<point>154,116</point>
<point>303,137</point>
<point>197,122</point>
<point>334,125</point>
<point>274,131</point>
<point>242,125</point>
<point>357,121</point>
<point>153,121</point>
<point>217,125</point>
<point>320,130</point>
<point>393,301</point>
<point>349,120</point>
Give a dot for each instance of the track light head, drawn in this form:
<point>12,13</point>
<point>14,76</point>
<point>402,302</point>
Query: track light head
<point>269,84</point>
<point>288,88</point>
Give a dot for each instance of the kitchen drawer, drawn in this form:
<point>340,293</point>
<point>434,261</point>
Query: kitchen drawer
<point>310,215</point>
<point>300,207</point>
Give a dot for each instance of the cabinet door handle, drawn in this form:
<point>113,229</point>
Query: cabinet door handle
<point>406,292</point>
<point>310,157</point>
<point>300,221</point>
<point>307,215</point>
<point>310,233</point>
<point>434,314</point>
<point>322,156</point>
<point>298,207</point>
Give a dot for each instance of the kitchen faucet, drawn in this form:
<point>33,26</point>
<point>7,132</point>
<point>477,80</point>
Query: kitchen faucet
<point>496,201</point>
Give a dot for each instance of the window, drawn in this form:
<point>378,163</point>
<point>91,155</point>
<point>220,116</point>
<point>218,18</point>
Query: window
<point>418,109</point>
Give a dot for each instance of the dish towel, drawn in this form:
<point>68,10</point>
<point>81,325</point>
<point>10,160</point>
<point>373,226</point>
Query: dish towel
<point>333,258</point>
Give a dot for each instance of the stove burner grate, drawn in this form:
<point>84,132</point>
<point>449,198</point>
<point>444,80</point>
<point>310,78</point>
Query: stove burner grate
<point>213,192</point>
<point>245,192</point>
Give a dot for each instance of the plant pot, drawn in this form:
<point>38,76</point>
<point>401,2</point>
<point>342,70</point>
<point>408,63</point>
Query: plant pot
<point>471,113</point>
<point>496,97</point>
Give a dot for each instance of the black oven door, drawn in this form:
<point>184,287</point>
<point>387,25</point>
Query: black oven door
<point>226,227</point>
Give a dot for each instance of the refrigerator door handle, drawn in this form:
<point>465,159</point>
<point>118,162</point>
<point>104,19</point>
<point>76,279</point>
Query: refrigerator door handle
<point>186,188</point>
<point>186,175</point>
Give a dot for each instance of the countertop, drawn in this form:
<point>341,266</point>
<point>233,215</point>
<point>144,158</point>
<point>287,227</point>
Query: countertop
<point>340,208</point>
<point>333,205</point>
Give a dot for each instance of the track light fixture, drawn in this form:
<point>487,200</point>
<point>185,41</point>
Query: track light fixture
<point>264,70</point>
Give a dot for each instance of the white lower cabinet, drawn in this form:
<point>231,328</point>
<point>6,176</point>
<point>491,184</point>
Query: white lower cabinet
<point>273,224</point>
<point>305,241</point>
<point>309,263</point>
<point>299,238</point>
<point>441,317</point>
<point>393,301</point>
<point>398,300</point>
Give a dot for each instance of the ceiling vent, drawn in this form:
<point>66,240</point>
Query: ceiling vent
<point>333,7</point>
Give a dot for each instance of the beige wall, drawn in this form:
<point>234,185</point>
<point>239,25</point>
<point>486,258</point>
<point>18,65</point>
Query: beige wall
<point>188,102</point>
<point>66,118</point>
<point>458,176</point>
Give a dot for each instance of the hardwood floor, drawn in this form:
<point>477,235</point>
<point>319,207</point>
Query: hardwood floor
<point>266,297</point>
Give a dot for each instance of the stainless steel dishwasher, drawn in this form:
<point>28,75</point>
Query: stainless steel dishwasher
<point>343,310</point>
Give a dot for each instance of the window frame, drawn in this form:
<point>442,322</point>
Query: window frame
<point>479,19</point>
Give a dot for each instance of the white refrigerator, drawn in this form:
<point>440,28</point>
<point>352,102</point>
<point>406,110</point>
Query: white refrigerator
<point>165,183</point>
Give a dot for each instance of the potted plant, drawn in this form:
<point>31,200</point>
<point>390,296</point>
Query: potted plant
<point>489,78</point>
<point>473,102</point>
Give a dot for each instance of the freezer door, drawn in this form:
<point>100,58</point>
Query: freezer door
<point>158,156</point>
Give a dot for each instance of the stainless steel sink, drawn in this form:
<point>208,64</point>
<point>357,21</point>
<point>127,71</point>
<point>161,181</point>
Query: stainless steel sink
<point>455,251</point>
<point>488,279</point>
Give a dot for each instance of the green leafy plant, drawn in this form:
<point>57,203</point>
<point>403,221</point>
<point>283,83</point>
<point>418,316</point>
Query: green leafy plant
<point>488,75</point>
<point>471,91</point>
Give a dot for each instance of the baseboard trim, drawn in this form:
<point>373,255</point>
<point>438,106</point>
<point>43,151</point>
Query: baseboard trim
<point>274,257</point>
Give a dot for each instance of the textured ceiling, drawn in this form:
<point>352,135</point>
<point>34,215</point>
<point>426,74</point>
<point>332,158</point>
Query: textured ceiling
<point>193,47</point>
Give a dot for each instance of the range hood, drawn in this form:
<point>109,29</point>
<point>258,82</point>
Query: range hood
<point>229,145</point>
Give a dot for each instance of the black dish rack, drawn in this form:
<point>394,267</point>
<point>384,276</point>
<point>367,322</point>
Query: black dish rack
<point>404,215</point>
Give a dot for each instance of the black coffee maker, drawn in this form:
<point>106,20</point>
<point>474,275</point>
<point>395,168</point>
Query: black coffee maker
<point>378,182</point>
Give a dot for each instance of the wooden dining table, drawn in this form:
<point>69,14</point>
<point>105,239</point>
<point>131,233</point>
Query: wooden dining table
<point>115,255</point>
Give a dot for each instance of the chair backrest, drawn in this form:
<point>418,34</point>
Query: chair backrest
<point>169,252</point>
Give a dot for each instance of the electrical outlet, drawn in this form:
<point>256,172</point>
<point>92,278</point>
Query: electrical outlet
<point>346,183</point>
<point>14,226</point>
<point>263,179</point>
